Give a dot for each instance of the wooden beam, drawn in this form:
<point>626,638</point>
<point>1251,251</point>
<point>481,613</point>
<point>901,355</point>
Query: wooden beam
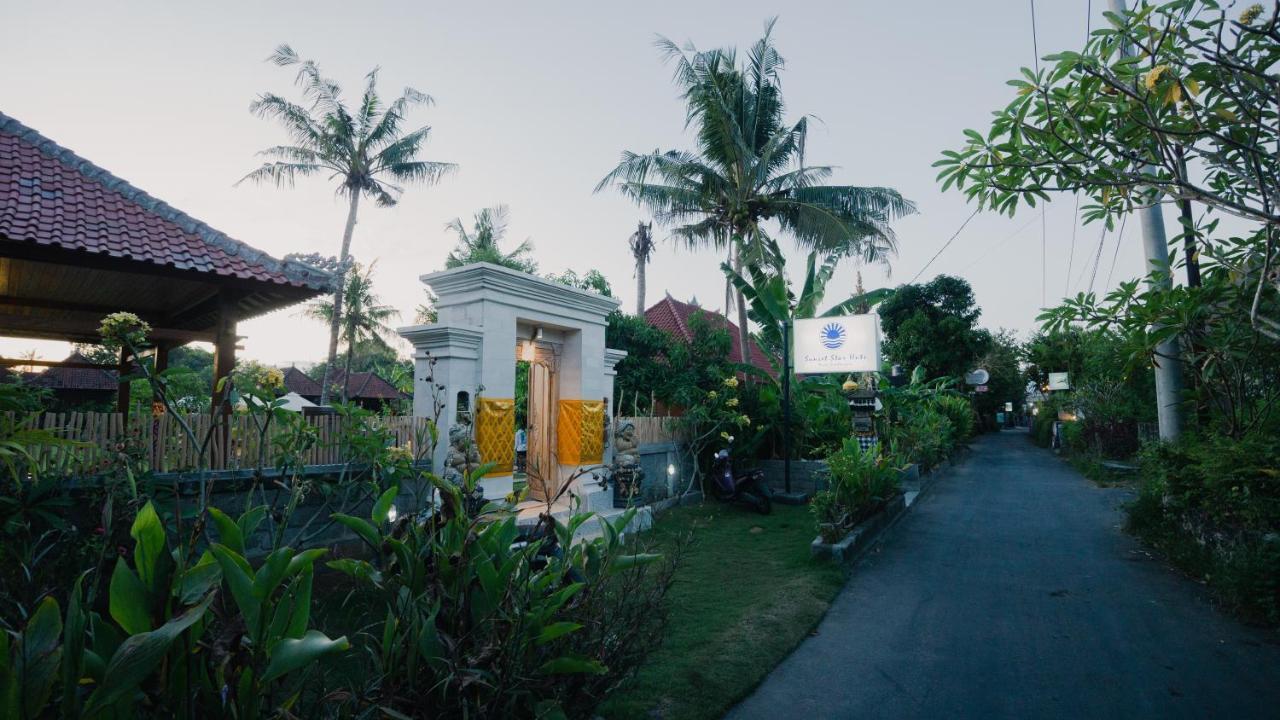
<point>84,330</point>
<point>18,362</point>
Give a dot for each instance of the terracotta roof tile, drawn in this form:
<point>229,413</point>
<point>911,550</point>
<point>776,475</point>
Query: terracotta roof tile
<point>673,316</point>
<point>50,196</point>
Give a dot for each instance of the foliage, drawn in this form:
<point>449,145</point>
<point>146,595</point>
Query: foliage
<point>750,170</point>
<point>934,325</point>
<point>912,424</point>
<point>1003,361</point>
<point>959,413</point>
<point>861,481</point>
<point>592,281</point>
<point>1213,504</point>
<point>644,374</point>
<point>549,624</point>
<point>364,321</point>
<point>366,150</point>
<point>1171,101</point>
<point>772,303</point>
<point>1230,361</point>
<point>481,244</point>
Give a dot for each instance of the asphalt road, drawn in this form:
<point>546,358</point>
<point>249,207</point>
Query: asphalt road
<point>1010,591</point>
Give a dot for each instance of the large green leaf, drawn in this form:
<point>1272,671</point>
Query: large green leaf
<point>360,527</point>
<point>34,666</point>
<point>128,600</point>
<point>238,574</point>
<point>199,579</point>
<point>149,548</point>
<point>229,532</point>
<point>271,572</point>
<point>138,656</point>
<point>383,506</point>
<point>294,654</point>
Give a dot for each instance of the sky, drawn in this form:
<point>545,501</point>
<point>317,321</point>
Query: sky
<point>535,102</point>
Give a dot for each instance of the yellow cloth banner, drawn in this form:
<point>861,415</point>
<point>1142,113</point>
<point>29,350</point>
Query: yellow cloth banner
<point>496,433</point>
<point>580,432</point>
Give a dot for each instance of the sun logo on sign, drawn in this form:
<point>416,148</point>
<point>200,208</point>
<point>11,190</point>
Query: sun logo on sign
<point>832,335</point>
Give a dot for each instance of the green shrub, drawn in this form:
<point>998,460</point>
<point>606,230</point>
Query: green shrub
<point>1212,504</point>
<point>959,412</point>
<point>860,482</point>
<point>923,435</point>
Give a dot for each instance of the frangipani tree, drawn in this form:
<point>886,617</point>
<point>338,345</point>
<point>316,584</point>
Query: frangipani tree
<point>1173,101</point>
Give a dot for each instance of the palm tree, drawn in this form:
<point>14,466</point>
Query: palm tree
<point>363,321</point>
<point>366,151</point>
<point>749,170</point>
<point>489,227</point>
<point>641,242</point>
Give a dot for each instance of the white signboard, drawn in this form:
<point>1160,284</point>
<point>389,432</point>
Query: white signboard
<point>1058,381</point>
<point>836,344</point>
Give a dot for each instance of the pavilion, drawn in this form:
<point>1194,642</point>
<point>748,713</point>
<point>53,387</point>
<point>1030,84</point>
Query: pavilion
<point>78,243</point>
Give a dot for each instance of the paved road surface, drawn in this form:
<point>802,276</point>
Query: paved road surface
<point>1010,591</point>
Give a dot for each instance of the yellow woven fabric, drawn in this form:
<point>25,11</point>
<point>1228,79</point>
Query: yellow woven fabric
<point>580,432</point>
<point>496,433</point>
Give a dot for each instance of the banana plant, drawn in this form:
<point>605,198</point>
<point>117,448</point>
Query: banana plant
<point>772,302</point>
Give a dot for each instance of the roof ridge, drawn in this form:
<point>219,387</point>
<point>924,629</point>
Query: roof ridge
<point>292,269</point>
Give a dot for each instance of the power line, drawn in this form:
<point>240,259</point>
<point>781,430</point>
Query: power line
<point>1097,258</point>
<point>1000,244</point>
<point>1071,259</point>
<point>1044,228</point>
<point>1119,241</point>
<point>945,245</point>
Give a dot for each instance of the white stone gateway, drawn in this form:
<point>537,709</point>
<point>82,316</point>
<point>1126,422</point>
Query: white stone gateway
<point>488,318</point>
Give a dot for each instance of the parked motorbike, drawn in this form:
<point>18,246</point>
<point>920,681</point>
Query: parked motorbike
<point>748,488</point>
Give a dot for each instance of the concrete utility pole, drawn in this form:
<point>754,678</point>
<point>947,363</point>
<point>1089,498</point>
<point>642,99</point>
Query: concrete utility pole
<point>1155,243</point>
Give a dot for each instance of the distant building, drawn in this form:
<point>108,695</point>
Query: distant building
<point>77,388</point>
<point>366,389</point>
<point>673,316</point>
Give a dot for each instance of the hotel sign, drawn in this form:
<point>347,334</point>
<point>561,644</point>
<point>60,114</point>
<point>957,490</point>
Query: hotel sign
<point>836,344</point>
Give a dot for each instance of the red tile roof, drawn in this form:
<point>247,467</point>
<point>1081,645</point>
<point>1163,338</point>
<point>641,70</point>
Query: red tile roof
<point>50,196</point>
<point>299,382</point>
<point>673,316</point>
<point>364,385</point>
<point>64,378</point>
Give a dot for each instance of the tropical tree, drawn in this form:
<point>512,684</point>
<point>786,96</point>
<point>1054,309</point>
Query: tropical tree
<point>641,243</point>
<point>363,321</point>
<point>772,302</point>
<point>934,325</point>
<point>749,170</point>
<point>481,244</point>
<point>365,149</point>
<point>592,281</point>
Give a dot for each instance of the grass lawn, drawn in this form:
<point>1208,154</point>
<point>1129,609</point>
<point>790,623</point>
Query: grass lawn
<point>745,595</point>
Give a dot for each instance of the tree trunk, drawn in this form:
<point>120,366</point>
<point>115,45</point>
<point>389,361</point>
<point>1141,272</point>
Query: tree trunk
<point>335,322</point>
<point>744,333</point>
<point>346,373</point>
<point>640,286</point>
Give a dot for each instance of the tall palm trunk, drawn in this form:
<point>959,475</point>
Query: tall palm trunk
<point>335,322</point>
<point>640,263</point>
<point>346,372</point>
<point>744,334</point>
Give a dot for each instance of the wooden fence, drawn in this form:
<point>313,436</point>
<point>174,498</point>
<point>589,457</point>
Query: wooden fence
<point>163,445</point>
<point>653,429</point>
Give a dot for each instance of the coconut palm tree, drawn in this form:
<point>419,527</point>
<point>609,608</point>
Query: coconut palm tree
<point>365,149</point>
<point>749,173</point>
<point>489,228</point>
<point>641,242</point>
<point>364,319</point>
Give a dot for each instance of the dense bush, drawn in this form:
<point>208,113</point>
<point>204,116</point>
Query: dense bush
<point>959,413</point>
<point>860,482</point>
<point>1213,504</point>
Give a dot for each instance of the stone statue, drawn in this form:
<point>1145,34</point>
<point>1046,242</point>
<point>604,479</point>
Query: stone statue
<point>463,455</point>
<point>626,449</point>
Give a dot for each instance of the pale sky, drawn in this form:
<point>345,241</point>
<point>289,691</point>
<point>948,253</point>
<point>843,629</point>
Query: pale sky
<point>535,101</point>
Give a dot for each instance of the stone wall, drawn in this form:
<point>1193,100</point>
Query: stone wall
<point>807,476</point>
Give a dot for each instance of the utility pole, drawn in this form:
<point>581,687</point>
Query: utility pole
<point>1155,243</point>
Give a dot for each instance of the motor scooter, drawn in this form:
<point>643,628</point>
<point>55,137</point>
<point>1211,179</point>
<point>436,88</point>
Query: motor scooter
<point>748,488</point>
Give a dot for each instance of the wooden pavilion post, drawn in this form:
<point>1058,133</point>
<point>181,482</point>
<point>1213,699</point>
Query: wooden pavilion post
<point>224,361</point>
